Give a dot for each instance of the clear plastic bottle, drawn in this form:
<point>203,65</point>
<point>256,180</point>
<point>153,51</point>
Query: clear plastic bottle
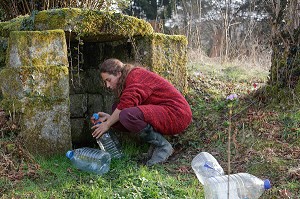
<point>241,186</point>
<point>90,160</point>
<point>109,143</point>
<point>205,166</point>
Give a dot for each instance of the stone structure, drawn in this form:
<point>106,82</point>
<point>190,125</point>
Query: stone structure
<point>51,78</point>
<point>35,83</point>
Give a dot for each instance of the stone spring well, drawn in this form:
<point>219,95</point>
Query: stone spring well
<point>49,74</point>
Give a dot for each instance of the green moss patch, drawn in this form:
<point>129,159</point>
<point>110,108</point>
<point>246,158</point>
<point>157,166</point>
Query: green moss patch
<point>33,85</point>
<point>12,25</point>
<point>33,48</point>
<point>169,58</point>
<point>91,24</point>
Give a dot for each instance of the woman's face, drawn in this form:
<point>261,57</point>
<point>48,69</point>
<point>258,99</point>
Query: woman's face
<point>111,81</point>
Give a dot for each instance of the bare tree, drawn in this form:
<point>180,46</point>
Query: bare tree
<point>227,29</point>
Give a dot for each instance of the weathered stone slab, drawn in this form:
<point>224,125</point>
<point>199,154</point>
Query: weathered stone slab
<point>40,81</point>
<point>94,83</point>
<point>38,89</point>
<point>165,55</point>
<point>37,48</point>
<point>46,129</point>
<point>109,100</point>
<point>97,26</point>
<point>95,103</point>
<point>78,105</point>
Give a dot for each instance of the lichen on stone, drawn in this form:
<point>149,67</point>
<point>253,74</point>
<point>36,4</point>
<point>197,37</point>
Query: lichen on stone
<point>92,23</point>
<point>26,48</point>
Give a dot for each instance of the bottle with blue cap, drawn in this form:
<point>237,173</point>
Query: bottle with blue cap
<point>211,175</point>
<point>241,186</point>
<point>109,143</point>
<point>90,160</point>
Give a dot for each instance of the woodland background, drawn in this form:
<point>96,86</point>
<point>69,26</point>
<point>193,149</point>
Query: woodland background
<point>225,29</point>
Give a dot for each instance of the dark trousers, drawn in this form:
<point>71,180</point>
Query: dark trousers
<point>130,120</point>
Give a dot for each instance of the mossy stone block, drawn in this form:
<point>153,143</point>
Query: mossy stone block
<point>35,86</point>
<point>78,105</point>
<point>34,48</point>
<point>46,130</point>
<point>12,25</point>
<point>30,81</point>
<point>93,25</point>
<point>81,132</point>
<point>170,58</point>
<point>95,104</point>
<point>165,55</point>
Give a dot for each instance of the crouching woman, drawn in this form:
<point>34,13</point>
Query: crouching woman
<point>147,104</point>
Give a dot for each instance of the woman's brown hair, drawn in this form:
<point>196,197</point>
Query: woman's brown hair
<point>113,66</point>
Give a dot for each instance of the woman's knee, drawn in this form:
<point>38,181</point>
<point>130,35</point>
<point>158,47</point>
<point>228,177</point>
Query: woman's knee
<point>132,119</point>
<point>131,114</point>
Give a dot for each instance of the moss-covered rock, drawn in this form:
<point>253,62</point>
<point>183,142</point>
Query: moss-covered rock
<point>35,86</point>
<point>44,119</point>
<point>158,50</point>
<point>91,24</point>
<point>165,55</point>
<point>170,57</point>
<point>12,25</point>
<point>30,81</point>
<point>37,48</point>
<point>46,130</point>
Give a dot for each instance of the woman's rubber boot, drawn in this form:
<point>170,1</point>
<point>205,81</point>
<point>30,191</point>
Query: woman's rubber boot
<point>162,148</point>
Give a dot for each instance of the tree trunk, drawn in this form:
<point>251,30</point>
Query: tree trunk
<point>285,68</point>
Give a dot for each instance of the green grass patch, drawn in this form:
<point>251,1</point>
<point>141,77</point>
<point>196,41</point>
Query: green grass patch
<point>57,178</point>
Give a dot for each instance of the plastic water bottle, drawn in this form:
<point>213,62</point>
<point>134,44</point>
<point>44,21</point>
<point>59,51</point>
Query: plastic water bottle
<point>241,186</point>
<point>206,166</point>
<point>90,160</point>
<point>107,143</point>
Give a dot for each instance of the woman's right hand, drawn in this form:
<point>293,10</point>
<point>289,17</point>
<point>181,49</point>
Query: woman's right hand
<point>102,118</point>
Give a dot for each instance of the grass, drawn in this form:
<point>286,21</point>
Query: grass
<point>265,142</point>
<point>56,178</point>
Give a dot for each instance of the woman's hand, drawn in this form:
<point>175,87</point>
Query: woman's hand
<point>107,121</point>
<point>102,118</point>
<point>100,129</point>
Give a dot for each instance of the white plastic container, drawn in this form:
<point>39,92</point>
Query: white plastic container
<point>206,166</point>
<point>90,160</point>
<point>241,186</point>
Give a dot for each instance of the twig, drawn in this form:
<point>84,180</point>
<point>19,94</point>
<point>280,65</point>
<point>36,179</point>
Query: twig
<point>228,149</point>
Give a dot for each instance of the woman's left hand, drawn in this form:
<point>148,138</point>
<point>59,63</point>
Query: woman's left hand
<point>100,129</point>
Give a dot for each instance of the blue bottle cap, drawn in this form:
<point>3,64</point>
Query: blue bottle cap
<point>267,184</point>
<point>96,116</point>
<point>70,154</point>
